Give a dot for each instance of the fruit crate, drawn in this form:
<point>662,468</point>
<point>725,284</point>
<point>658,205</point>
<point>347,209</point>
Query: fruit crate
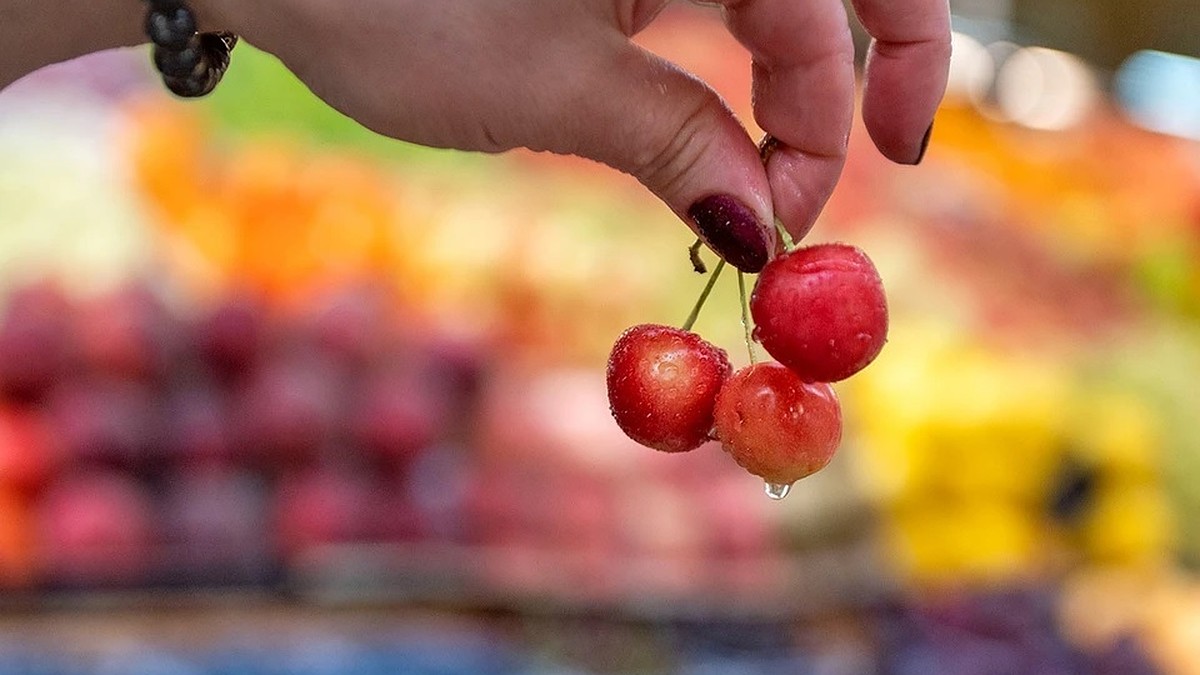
<point>337,454</point>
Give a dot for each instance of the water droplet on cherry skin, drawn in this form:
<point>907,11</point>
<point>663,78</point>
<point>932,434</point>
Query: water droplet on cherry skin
<point>777,491</point>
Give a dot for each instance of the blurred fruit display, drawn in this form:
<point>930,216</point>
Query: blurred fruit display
<point>343,373</point>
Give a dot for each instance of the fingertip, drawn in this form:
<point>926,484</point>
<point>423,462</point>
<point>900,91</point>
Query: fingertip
<point>902,90</point>
<point>924,145</point>
<point>801,184</point>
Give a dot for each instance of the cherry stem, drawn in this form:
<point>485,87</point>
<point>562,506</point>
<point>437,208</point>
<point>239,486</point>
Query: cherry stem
<point>789,244</point>
<point>694,255</point>
<point>712,281</point>
<point>746,318</point>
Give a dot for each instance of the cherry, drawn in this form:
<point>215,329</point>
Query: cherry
<point>777,426</point>
<point>232,337</point>
<point>821,311</point>
<point>38,341</point>
<point>129,333</point>
<point>287,410</point>
<point>95,528</point>
<point>28,450</point>
<point>320,506</point>
<point>398,416</point>
<point>662,385</point>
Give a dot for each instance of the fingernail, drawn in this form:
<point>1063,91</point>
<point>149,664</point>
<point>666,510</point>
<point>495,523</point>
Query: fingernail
<point>924,144</point>
<point>732,231</point>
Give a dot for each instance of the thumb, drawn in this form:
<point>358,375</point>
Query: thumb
<point>645,116</point>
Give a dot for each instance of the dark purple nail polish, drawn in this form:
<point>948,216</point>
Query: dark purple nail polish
<point>732,231</point>
<point>924,144</point>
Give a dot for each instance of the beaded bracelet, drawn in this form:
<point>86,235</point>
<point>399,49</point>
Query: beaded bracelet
<point>191,63</point>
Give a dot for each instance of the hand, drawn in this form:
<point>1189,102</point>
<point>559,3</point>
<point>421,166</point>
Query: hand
<point>563,76</point>
<point>37,33</point>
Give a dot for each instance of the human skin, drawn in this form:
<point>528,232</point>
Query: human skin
<point>563,76</point>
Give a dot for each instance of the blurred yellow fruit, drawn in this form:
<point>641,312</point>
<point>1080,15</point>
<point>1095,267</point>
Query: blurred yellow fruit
<point>1131,525</point>
<point>955,417</point>
<point>1119,433</point>
<point>966,541</point>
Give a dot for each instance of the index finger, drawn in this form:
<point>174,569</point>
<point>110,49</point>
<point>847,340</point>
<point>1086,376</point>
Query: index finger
<point>907,68</point>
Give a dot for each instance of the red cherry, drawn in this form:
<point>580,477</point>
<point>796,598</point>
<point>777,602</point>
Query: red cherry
<point>28,450</point>
<point>777,426</point>
<point>320,506</point>
<point>37,339</point>
<point>662,385</point>
<point>821,311</point>
<point>95,528</point>
<point>232,337</point>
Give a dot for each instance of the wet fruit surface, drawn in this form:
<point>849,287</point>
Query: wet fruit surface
<point>821,311</point>
<point>776,426</point>
<point>662,385</point>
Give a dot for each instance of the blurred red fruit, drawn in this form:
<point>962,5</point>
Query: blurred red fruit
<point>129,334</point>
<point>95,529</point>
<point>104,422</point>
<point>493,506</point>
<point>197,428</point>
<point>37,341</point>
<point>737,522</point>
<point>232,337</point>
<point>395,517</point>
<point>398,415</point>
<point>356,325</point>
<point>28,454</point>
<point>322,506</point>
<point>286,413</point>
<point>461,363</point>
<point>17,565</point>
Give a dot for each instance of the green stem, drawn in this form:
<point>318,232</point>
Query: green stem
<point>789,244</point>
<point>746,318</point>
<point>712,280</point>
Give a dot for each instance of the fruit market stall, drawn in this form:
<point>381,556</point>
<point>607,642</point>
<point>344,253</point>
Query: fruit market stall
<point>279,396</point>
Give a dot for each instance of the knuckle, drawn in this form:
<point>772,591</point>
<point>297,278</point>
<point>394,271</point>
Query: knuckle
<point>661,166</point>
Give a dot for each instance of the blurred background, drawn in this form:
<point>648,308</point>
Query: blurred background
<point>278,396</point>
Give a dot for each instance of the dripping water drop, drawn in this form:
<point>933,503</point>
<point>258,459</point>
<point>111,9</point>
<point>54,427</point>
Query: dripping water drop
<point>777,491</point>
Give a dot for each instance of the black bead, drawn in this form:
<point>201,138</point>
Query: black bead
<point>200,84</point>
<point>170,28</point>
<point>202,79</point>
<point>178,63</point>
<point>229,40</point>
<point>217,47</point>
<point>214,78</point>
<point>191,63</point>
<point>189,87</point>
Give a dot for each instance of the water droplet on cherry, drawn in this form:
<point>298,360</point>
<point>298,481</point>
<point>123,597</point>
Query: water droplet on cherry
<point>777,491</point>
